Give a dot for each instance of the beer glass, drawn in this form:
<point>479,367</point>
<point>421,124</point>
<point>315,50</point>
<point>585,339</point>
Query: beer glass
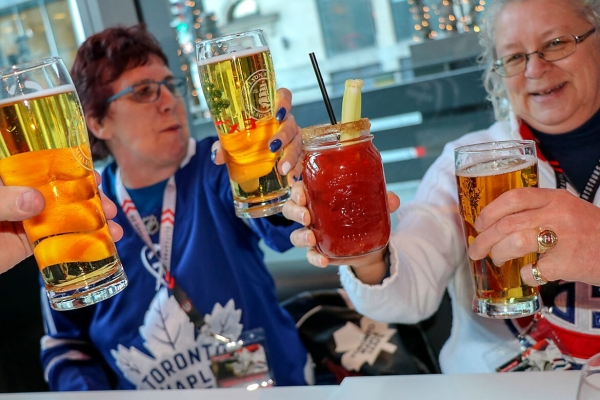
<point>589,382</point>
<point>44,144</point>
<point>483,172</point>
<point>238,81</point>
<point>345,188</point>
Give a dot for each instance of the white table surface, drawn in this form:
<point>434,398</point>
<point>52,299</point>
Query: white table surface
<point>560,385</point>
<point>517,385</point>
<point>274,393</point>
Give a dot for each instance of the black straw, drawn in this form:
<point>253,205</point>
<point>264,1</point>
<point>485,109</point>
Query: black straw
<point>315,65</point>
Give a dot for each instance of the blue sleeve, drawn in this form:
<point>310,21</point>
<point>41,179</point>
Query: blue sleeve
<point>70,361</point>
<point>275,231</point>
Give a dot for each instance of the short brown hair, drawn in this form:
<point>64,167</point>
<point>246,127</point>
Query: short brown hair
<point>101,60</point>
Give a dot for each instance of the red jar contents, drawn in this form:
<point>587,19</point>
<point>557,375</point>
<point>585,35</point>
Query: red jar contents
<point>346,191</point>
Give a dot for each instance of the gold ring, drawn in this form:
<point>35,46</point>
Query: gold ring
<point>547,239</point>
<point>537,275</point>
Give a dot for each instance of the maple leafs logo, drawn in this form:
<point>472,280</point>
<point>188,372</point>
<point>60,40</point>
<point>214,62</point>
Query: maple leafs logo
<point>179,357</point>
<point>224,320</point>
<point>363,344</point>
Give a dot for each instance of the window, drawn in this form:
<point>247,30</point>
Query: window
<point>357,31</point>
<point>431,19</point>
<point>403,20</point>
<point>243,8</point>
<point>32,30</point>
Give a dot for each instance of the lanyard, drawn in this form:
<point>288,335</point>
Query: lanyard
<point>593,182</point>
<point>167,223</point>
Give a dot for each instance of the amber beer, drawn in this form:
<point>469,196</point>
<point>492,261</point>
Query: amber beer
<point>499,290</point>
<point>238,82</point>
<point>44,145</point>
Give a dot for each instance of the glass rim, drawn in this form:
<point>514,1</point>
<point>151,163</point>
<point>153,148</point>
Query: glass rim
<point>228,36</point>
<point>492,146</point>
<point>323,129</point>
<point>324,136</point>
<point>205,49</point>
<point>17,69</point>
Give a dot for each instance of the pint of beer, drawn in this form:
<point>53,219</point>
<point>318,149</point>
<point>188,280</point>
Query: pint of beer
<point>483,172</point>
<point>44,144</point>
<point>238,82</point>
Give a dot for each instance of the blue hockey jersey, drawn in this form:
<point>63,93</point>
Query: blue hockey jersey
<point>141,338</point>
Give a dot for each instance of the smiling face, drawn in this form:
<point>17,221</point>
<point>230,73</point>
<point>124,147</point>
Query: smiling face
<point>552,97</point>
<point>152,136</point>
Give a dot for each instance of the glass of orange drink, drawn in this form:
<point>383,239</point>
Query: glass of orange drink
<point>44,145</point>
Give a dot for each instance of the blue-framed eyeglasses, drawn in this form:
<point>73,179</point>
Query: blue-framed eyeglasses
<point>149,91</point>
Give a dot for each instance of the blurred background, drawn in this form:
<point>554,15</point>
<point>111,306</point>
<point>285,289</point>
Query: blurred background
<point>422,89</point>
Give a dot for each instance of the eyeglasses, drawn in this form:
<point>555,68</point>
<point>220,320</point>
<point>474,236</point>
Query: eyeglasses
<point>149,91</point>
<point>552,50</point>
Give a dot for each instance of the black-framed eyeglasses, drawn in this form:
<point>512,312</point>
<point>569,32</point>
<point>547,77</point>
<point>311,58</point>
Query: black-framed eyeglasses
<point>149,91</point>
<point>552,50</point>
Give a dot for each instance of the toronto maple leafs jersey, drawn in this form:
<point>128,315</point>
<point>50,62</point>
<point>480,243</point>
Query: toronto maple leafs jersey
<point>428,255</point>
<point>141,338</point>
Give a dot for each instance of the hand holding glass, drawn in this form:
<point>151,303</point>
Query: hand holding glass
<point>483,172</point>
<point>44,144</point>
<point>238,81</point>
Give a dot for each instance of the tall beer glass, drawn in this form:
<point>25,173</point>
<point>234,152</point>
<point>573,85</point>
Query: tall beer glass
<point>483,172</point>
<point>44,144</point>
<point>238,82</point>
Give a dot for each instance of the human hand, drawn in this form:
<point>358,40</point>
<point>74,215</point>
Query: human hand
<point>288,138</point>
<point>508,228</point>
<point>369,268</point>
<point>19,203</point>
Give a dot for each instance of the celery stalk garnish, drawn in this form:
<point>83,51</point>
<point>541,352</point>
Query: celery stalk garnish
<point>351,105</point>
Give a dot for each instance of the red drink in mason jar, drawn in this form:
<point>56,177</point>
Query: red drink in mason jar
<point>346,191</point>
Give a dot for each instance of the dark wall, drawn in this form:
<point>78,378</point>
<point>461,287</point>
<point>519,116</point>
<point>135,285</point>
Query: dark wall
<point>21,329</point>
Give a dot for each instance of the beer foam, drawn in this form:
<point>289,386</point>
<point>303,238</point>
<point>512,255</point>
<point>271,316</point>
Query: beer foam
<point>38,94</point>
<point>496,167</point>
<point>236,54</point>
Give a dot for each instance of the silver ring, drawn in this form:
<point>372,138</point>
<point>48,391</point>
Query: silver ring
<point>537,275</point>
<point>547,239</point>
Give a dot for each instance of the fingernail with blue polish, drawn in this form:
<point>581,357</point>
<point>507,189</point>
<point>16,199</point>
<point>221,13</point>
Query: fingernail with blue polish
<point>213,155</point>
<point>295,178</point>
<point>280,114</point>
<point>275,145</point>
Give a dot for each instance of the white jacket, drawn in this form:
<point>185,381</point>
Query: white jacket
<point>428,255</point>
